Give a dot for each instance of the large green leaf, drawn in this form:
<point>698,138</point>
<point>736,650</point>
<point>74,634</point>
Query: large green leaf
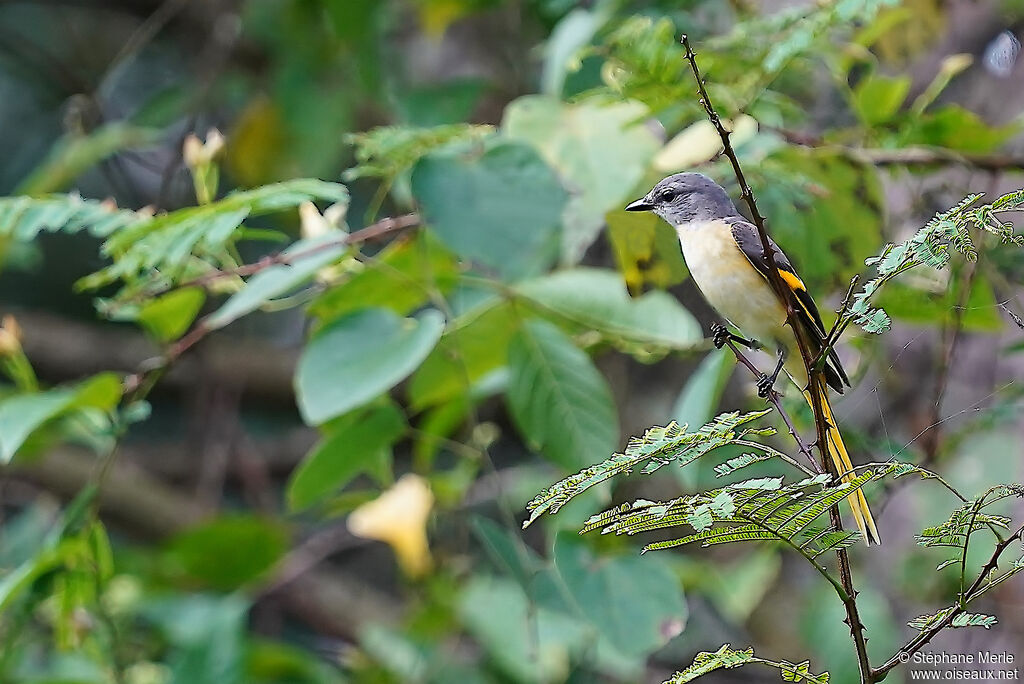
<point>557,397</point>
<point>356,357</point>
<point>830,222</point>
<point>358,445</point>
<point>401,277</point>
<point>532,644</point>
<point>23,414</point>
<point>228,552</point>
<point>473,346</point>
<point>957,128</point>
<point>876,99</point>
<point>636,602</point>
<point>497,203</point>
<point>168,316</point>
<point>596,299</point>
<point>601,150</point>
<point>205,636</point>
<point>280,279</point>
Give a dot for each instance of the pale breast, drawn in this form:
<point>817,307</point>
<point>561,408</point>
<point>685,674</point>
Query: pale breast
<point>729,283</point>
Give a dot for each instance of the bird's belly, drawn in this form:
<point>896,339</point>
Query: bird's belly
<point>730,284</point>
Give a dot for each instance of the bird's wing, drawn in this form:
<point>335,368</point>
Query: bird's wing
<point>749,242</point>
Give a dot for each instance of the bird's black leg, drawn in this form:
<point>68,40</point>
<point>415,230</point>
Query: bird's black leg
<point>720,335</point>
<point>766,383</point>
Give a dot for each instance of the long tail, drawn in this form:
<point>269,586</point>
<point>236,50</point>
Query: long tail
<point>841,459</point>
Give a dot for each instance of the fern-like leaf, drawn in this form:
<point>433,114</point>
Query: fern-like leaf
<point>724,658</point>
<point>658,447</point>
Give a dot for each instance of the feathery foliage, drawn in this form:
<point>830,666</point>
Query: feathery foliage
<point>761,509</point>
<point>658,447</point>
<point>726,658</point>
<point>930,246</point>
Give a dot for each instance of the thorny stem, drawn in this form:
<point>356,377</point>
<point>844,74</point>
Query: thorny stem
<point>821,425</point>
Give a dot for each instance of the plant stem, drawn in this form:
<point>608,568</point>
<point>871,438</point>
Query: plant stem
<point>821,425</point>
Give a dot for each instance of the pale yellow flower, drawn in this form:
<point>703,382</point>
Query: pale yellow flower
<point>314,224</point>
<point>10,336</point>
<point>398,517</point>
<point>197,153</point>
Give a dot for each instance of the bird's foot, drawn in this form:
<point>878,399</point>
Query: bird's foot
<point>765,385</point>
<point>720,335</point>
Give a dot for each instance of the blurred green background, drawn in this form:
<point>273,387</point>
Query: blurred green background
<point>518,129</point>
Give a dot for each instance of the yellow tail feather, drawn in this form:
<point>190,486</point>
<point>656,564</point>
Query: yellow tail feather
<point>841,459</point>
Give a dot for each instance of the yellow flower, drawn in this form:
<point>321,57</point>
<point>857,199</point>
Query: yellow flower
<point>10,336</point>
<point>398,517</point>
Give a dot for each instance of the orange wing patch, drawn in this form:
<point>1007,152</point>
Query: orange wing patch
<point>792,280</point>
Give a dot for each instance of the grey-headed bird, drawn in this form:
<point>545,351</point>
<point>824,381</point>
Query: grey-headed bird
<point>725,257</point>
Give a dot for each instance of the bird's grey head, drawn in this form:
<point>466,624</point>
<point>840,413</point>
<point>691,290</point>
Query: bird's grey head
<point>685,198</point>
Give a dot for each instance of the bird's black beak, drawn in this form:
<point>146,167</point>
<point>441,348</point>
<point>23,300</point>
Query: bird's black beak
<point>640,205</point>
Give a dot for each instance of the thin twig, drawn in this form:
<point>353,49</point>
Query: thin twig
<point>849,594</point>
<point>975,591</point>
<point>775,399</point>
<point>374,231</point>
<point>150,370</point>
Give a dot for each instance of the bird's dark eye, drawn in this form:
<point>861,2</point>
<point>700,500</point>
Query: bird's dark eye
<point>667,195</point>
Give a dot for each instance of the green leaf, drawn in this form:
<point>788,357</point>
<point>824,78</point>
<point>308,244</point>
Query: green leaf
<point>507,552</point>
<point>357,357</point>
<point>829,191</point>
<point>955,128</point>
<point>231,551</point>
<point>572,33</point>
<point>658,447</point>
<point>400,277</point>
<point>531,644</point>
<point>636,604</point>
<point>167,317</point>
<point>706,661</point>
<point>354,447</point>
<point>205,634</point>
<point>305,257</point>
<point>162,250</point>
<point>500,205</point>
<point>387,152</point>
<point>596,299</point>
<point>23,414</point>
<point>877,99</point>
<point>601,150</point>
<point>560,402</point>
<point>474,346</point>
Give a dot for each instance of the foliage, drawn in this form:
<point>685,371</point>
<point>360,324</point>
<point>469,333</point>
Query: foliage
<point>486,339</point>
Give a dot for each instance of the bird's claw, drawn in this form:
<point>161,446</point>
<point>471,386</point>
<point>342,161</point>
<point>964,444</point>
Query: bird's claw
<point>719,335</point>
<point>765,385</point>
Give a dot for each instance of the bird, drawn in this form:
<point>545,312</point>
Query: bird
<point>726,259</point>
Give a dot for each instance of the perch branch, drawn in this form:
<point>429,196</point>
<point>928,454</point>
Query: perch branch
<point>848,596</point>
